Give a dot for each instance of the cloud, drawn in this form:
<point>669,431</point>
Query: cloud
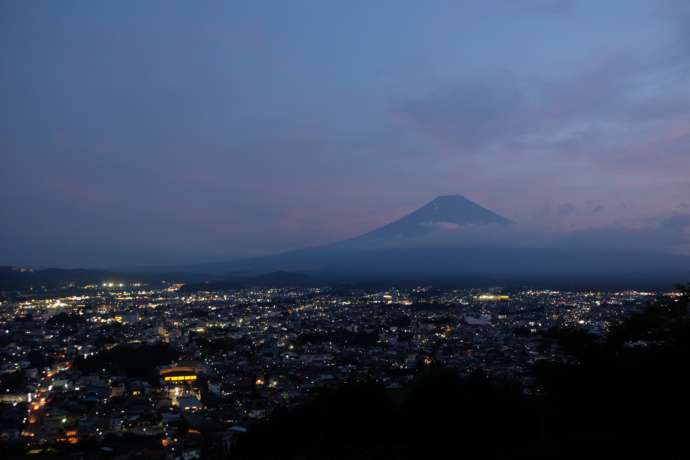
<point>441,226</point>
<point>566,209</point>
<point>612,129</point>
<point>676,224</point>
<point>615,100</point>
<point>662,236</point>
<point>468,115</point>
<point>615,95</point>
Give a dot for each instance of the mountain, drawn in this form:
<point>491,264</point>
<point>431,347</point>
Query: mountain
<point>448,212</point>
<point>443,217</point>
<point>454,241</point>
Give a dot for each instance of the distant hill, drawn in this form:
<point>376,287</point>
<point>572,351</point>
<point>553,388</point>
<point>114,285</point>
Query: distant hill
<point>20,278</point>
<point>277,279</point>
<point>24,279</point>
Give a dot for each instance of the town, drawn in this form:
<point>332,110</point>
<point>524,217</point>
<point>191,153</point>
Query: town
<point>179,373</point>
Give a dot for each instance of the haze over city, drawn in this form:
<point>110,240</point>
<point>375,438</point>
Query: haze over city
<point>159,133</point>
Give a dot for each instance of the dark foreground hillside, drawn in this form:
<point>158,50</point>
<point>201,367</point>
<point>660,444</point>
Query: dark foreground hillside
<point>624,396</point>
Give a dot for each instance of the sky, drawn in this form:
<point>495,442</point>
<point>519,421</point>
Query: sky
<point>166,132</point>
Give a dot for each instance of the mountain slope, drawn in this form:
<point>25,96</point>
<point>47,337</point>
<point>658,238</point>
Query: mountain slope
<point>444,212</point>
<point>443,215</point>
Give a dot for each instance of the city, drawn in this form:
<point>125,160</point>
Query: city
<point>177,371</point>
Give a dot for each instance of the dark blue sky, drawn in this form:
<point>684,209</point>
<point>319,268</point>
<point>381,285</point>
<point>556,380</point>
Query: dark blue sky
<point>163,132</point>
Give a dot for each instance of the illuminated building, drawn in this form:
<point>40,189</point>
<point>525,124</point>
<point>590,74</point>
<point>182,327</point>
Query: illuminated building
<point>183,380</point>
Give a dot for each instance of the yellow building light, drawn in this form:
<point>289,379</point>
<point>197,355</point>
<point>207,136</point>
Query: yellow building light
<point>179,378</point>
<point>493,297</point>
